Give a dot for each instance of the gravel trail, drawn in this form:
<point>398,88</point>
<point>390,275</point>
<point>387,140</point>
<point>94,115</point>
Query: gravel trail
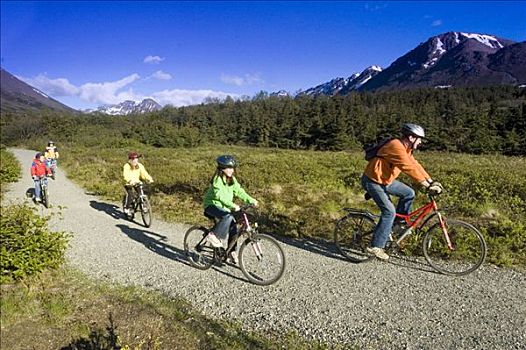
<point>375,305</point>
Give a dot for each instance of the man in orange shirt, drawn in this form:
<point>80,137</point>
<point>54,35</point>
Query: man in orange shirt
<point>379,180</point>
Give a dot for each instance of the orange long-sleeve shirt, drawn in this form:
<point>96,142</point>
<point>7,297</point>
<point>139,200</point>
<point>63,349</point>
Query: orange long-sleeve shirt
<point>392,159</point>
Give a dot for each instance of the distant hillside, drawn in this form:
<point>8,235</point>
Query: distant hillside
<point>17,95</point>
<point>453,59</point>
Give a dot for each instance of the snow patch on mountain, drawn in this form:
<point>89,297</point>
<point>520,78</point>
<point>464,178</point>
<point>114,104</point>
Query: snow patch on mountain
<point>344,85</point>
<point>40,92</point>
<point>129,107</point>
<point>487,40</point>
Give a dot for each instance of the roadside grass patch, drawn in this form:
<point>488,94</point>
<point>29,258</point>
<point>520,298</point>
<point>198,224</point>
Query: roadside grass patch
<point>71,311</point>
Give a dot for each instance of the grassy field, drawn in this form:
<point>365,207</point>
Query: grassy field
<point>302,192</point>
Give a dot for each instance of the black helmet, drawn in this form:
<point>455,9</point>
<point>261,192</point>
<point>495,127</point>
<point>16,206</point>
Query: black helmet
<point>38,155</point>
<point>49,143</point>
<point>226,161</point>
<point>413,129</point>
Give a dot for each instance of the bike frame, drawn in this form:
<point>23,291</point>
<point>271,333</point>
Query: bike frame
<point>421,213</point>
<point>137,200</point>
<point>244,226</point>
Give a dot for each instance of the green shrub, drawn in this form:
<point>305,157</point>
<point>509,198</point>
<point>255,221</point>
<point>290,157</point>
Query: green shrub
<point>27,246</point>
<point>9,167</point>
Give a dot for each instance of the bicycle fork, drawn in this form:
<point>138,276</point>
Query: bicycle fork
<point>442,221</point>
<point>256,247</point>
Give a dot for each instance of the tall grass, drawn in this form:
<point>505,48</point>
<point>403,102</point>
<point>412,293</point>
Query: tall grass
<point>301,192</point>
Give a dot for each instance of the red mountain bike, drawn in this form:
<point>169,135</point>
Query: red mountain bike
<point>450,246</point>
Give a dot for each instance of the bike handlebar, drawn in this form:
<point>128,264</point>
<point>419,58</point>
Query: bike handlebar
<point>246,207</point>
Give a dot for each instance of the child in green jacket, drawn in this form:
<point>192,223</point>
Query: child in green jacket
<point>219,202</point>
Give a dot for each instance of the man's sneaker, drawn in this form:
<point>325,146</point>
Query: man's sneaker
<point>37,199</point>
<point>214,241</point>
<point>378,252</point>
<point>233,257</point>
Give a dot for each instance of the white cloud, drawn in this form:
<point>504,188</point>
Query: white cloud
<point>180,98</point>
<point>375,6</point>
<point>247,79</point>
<point>161,75</point>
<point>436,23</point>
<point>153,59</point>
<point>54,87</point>
<point>114,92</point>
<point>106,93</point>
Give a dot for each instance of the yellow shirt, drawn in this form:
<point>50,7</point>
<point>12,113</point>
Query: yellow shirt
<point>133,175</point>
<point>51,153</point>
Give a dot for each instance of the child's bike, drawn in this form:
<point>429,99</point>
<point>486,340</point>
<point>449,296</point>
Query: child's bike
<point>44,191</point>
<point>450,246</point>
<point>140,203</point>
<point>261,258</point>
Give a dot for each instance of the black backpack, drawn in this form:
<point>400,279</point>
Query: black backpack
<point>371,150</point>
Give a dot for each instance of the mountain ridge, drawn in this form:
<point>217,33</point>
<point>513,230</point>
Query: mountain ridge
<point>129,107</point>
<point>16,94</point>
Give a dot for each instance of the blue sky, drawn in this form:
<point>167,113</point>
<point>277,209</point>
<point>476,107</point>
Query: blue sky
<point>86,54</point>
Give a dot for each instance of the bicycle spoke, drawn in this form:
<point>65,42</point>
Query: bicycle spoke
<point>199,252</point>
<point>466,253</point>
<point>262,260</point>
<point>146,212</point>
<point>352,236</point>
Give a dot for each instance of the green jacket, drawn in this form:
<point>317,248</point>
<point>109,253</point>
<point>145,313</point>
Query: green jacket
<point>222,195</point>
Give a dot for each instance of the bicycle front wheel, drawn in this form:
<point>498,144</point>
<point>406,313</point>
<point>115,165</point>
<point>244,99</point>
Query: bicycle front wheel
<point>45,196</point>
<point>352,235</point>
<point>466,254</point>
<point>261,259</point>
<point>199,251</point>
<point>146,212</point>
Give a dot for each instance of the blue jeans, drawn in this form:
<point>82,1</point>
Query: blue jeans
<point>226,227</point>
<point>380,194</point>
<point>37,186</point>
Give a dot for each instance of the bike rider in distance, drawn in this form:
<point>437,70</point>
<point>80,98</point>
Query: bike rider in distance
<point>379,180</point>
<point>219,202</point>
<point>133,172</point>
<point>39,172</point>
<point>51,155</point>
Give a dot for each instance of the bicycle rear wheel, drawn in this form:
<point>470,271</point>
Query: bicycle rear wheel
<point>146,212</point>
<point>352,235</point>
<point>261,259</point>
<point>199,251</point>
<point>468,248</point>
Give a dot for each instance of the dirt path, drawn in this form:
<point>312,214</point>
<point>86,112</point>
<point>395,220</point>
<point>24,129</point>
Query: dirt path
<point>397,305</point>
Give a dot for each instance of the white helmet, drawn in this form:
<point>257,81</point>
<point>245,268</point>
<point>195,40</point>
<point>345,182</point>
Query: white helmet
<point>413,129</point>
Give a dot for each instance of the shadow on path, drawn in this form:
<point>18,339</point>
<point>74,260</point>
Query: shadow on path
<point>110,209</point>
<point>155,244</point>
<point>409,262</point>
<point>313,245</point>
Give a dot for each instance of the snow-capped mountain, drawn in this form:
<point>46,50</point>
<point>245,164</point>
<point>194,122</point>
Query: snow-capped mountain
<point>343,85</point>
<point>443,61</point>
<point>455,59</point>
<point>280,93</point>
<point>129,107</point>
